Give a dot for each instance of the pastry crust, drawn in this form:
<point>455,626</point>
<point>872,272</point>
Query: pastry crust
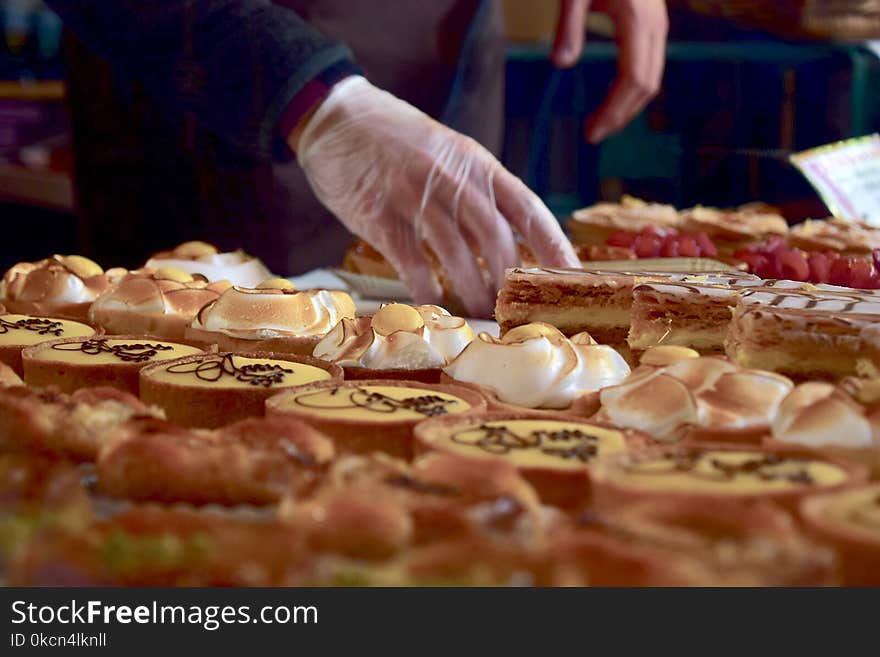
<point>154,546</point>
<point>207,406</point>
<point>840,235</point>
<point>741,543</point>
<point>584,406</point>
<point>74,426</point>
<point>362,436</point>
<point>253,461</point>
<point>134,352</point>
<point>592,226</point>
<point>293,345</point>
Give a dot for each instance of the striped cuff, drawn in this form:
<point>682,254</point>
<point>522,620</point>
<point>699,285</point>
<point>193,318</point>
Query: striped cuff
<point>314,91</point>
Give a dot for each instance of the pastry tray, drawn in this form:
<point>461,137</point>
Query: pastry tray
<point>388,289</point>
<point>374,287</point>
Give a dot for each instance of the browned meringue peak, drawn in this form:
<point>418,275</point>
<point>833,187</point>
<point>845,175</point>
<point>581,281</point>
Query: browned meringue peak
<point>665,355</point>
<point>707,393</point>
<point>397,336</point>
<point>274,309</point>
<point>823,415</point>
<point>198,257</point>
<point>59,281</point>
<point>147,291</point>
<point>536,366</point>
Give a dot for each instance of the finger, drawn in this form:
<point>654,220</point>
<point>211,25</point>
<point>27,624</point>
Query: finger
<point>533,221</point>
<point>478,216</point>
<point>404,251</point>
<point>642,45</point>
<point>568,44</point>
<point>459,265</point>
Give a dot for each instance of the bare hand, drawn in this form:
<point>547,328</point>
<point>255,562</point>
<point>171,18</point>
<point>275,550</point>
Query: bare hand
<point>641,31</point>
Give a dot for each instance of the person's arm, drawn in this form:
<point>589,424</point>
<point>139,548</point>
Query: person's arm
<point>236,65</point>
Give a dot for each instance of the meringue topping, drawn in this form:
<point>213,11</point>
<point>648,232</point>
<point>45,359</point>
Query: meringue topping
<point>153,293</point>
<point>56,281</point>
<point>398,336</point>
<point>536,366</point>
<point>707,392</point>
<point>205,259</point>
<point>274,312</point>
<point>820,414</point>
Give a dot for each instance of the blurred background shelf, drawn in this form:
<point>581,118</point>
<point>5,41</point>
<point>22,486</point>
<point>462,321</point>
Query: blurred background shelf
<point>41,188</point>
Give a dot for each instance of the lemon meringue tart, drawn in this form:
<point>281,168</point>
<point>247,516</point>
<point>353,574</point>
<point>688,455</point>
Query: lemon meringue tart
<point>271,317</point>
<point>719,471</point>
<point>704,399</point>
<point>210,390</point>
<point>20,331</point>
<point>397,342</point>
<point>535,366</point>
<point>554,454</point>
<point>202,258</point>
<point>374,415</point>
<point>74,363</point>
<point>158,302</point>
<point>60,286</point>
<point>849,521</point>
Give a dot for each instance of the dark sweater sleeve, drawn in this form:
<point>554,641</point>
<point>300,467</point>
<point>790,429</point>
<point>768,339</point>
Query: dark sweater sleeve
<point>234,64</point>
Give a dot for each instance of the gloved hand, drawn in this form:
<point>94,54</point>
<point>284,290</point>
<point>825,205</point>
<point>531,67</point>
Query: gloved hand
<point>640,32</point>
<point>403,181</point>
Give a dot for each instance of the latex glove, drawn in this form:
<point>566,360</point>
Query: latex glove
<point>641,28</point>
<point>403,181</point>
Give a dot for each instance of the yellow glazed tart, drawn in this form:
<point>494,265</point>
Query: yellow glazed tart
<point>211,390</point>
<point>73,363</point>
<point>20,331</point>
<point>554,453</point>
<point>374,415</point>
<point>717,471</point>
<point>849,520</point>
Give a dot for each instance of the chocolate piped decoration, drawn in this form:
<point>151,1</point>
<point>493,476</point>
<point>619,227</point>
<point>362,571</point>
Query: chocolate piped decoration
<point>761,468</point>
<point>502,440</point>
<point>39,325</point>
<point>138,352</point>
<point>376,402</point>
<point>214,369</point>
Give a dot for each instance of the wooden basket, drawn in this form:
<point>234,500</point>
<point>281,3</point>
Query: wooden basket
<point>838,20</point>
